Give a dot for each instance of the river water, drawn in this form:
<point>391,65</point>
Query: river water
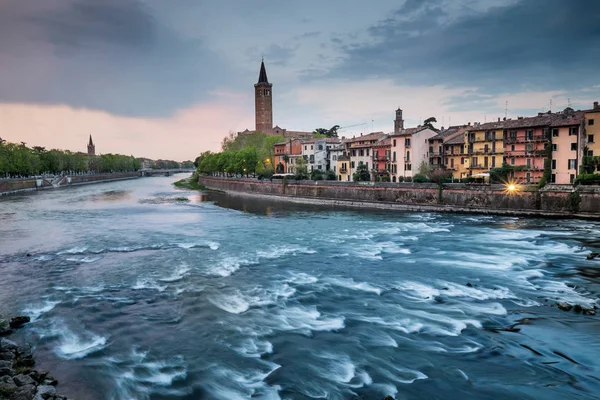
<point>135,294</point>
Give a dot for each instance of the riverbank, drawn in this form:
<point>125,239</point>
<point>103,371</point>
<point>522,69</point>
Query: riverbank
<point>551,202</point>
<point>16,186</point>
<point>18,378</point>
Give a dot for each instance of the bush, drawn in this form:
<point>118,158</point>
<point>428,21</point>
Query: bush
<point>573,201</point>
<point>331,176</point>
<point>400,179</point>
<point>408,179</point>
<point>587,178</point>
<point>316,175</point>
<point>419,178</point>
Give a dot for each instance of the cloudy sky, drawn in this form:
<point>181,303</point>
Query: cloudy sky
<point>169,79</point>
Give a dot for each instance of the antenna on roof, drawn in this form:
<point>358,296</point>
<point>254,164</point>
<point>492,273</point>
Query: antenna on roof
<point>550,104</point>
<point>569,102</point>
<point>506,110</point>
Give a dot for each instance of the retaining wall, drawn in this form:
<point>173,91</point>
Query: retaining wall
<point>11,186</point>
<point>552,199</point>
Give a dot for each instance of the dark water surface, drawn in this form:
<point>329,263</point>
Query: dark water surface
<point>135,295</point>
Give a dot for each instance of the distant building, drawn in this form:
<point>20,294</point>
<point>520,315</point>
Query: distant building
<point>91,148</point>
<point>592,127</point>
<point>409,149</point>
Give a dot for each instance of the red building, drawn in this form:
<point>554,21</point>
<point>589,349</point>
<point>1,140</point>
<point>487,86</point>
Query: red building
<point>285,154</point>
<point>381,158</point>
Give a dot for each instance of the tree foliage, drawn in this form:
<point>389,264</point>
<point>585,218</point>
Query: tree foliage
<point>362,173</point>
<point>326,133</point>
<point>429,122</point>
<point>21,160</point>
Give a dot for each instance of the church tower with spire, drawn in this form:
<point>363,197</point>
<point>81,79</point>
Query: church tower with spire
<point>91,147</point>
<point>398,122</point>
<point>263,102</point>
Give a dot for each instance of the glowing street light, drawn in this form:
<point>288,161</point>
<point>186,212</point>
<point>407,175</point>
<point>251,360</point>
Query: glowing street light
<point>268,160</point>
<point>511,188</point>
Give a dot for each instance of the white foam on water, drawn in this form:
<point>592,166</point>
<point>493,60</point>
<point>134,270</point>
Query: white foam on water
<point>36,311</point>
<point>234,303</point>
<point>254,348</point>
<point>148,284</point>
<point>300,278</point>
<point>421,291</point>
<point>393,248</point>
<point>421,227</point>
<point>43,257</point>
<point>84,259</point>
<point>74,250</point>
<point>192,245</point>
<point>405,325</point>
<point>136,377</point>
<point>349,283</point>
<point>402,375</point>
<point>337,368</point>
<point>73,346</point>
<point>177,275</point>
<point>368,251</point>
<point>303,320</point>
<point>233,384</point>
<point>282,251</point>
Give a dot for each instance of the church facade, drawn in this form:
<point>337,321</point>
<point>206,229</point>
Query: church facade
<point>263,110</point>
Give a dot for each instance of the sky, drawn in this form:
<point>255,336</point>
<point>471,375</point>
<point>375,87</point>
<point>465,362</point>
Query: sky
<point>169,79</point>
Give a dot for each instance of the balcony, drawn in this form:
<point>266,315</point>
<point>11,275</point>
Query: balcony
<point>478,166</point>
<point>343,170</point>
<point>527,138</point>
<point>380,158</point>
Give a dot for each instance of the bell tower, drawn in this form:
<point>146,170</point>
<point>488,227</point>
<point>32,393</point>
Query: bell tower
<point>398,122</point>
<point>263,102</point>
<point>91,147</point>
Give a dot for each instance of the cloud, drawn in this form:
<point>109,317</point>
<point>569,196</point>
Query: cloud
<point>527,45</point>
<point>112,55</point>
<point>181,136</point>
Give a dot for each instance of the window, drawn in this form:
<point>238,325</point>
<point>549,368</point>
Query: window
<point>474,162</point>
<point>553,164</point>
<point>529,163</point>
<point>367,152</point>
<point>462,161</point>
<point>430,149</point>
<point>573,146</point>
<point>408,156</point>
<point>529,134</point>
<point>485,162</point>
<point>591,137</point>
<point>554,147</point>
<point>513,135</point>
<point>528,177</point>
<point>407,142</point>
<point>334,157</point>
<point>311,147</point>
<point>353,153</point>
<point>529,147</point>
<point>493,162</point>
<point>554,132</point>
<point>572,178</point>
<point>361,152</point>
<point>367,165</point>
<point>320,147</point>
<point>408,167</point>
<point>319,166</point>
<point>572,164</point>
<point>394,159</point>
<point>305,147</point>
<point>590,122</point>
<point>352,164</point>
<point>512,161</point>
<point>553,178</point>
<point>573,131</point>
<point>591,154</point>
<point>512,147</point>
<point>452,163</point>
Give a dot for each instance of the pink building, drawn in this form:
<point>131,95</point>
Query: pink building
<point>567,146</point>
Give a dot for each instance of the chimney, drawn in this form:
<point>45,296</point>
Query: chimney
<point>519,117</point>
<point>596,107</point>
<point>498,119</point>
<point>343,137</point>
<point>361,134</point>
<point>504,119</point>
<point>469,124</point>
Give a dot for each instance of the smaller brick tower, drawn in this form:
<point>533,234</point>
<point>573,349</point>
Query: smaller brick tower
<point>91,147</point>
<point>263,102</point>
<point>398,122</point>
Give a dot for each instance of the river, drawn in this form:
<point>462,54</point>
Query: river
<point>137,294</point>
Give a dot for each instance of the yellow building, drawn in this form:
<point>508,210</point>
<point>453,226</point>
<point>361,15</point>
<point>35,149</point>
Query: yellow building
<point>344,172</point>
<point>454,157</point>
<point>592,130</point>
<point>485,147</point>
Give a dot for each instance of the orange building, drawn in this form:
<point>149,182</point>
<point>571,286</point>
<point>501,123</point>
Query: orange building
<point>381,158</point>
<point>285,154</point>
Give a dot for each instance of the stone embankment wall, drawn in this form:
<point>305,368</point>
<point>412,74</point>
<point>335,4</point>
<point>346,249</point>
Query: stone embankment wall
<point>551,200</point>
<point>24,185</point>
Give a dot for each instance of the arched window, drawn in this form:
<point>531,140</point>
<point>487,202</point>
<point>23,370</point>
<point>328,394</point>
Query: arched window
<point>394,159</point>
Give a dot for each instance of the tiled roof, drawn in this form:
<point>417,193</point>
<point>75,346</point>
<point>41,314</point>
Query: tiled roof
<point>570,119</point>
<point>327,140</point>
<point>383,143</point>
<point>458,139</point>
<point>370,136</point>
<point>411,131</point>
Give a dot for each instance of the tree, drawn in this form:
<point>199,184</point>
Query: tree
<point>362,173</point>
<point>429,122</point>
<point>301,168</point>
<point>326,133</point>
<point>316,175</point>
<point>425,169</point>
